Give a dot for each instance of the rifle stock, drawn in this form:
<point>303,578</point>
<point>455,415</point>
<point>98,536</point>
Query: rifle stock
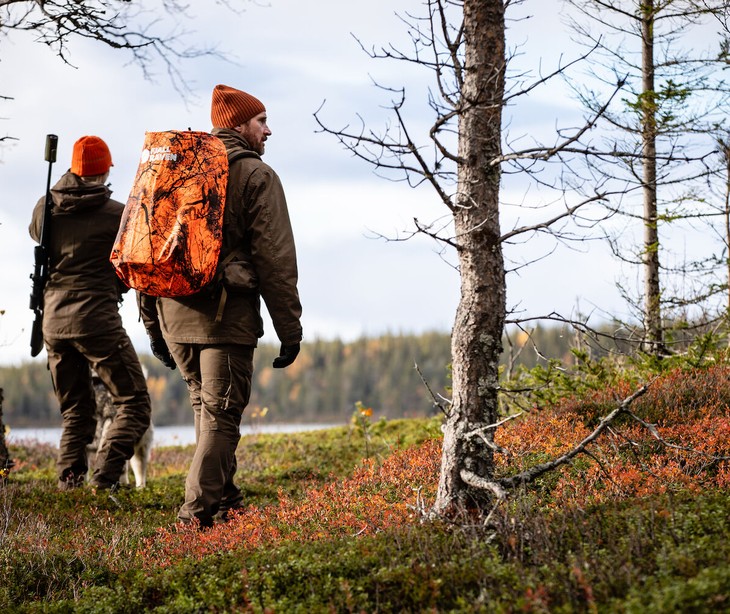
<point>41,255</point>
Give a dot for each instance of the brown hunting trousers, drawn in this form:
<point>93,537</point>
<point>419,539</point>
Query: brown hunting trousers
<point>115,361</point>
<point>218,378</point>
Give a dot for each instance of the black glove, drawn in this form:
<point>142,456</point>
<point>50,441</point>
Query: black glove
<point>159,349</point>
<point>287,355</point>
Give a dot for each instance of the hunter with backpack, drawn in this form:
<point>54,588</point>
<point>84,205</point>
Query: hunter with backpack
<point>222,200</point>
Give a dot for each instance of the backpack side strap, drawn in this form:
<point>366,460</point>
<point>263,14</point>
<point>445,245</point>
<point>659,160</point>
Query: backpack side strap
<point>224,293</point>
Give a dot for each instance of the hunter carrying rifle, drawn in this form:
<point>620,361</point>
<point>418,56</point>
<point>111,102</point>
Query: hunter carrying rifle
<point>81,325</point>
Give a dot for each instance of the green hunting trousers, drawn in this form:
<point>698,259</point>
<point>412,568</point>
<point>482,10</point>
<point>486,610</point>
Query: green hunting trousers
<point>115,361</point>
<point>219,382</point>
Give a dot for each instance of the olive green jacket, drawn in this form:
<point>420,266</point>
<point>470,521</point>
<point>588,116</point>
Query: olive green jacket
<point>82,294</point>
<point>258,260</point>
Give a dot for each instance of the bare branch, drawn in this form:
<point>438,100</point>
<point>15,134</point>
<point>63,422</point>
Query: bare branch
<point>655,434</point>
<point>359,143</point>
<point>436,402</point>
<point>492,427</point>
<point>569,211</point>
<point>119,24</point>
<point>534,472</point>
<point>550,76</point>
<point>545,153</point>
<point>472,479</point>
<point>481,433</point>
<point>434,235</point>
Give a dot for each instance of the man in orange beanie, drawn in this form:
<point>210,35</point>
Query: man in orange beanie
<point>215,351</point>
<point>82,328</point>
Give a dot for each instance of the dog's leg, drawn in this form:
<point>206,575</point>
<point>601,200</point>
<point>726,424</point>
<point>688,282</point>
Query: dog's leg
<point>124,478</point>
<point>141,459</point>
<point>138,468</point>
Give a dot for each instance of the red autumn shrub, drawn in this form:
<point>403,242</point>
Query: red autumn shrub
<point>692,419</point>
<point>374,498</point>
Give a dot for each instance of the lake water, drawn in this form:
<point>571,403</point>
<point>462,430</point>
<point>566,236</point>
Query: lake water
<point>164,435</point>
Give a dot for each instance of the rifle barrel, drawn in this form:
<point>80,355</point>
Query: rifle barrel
<point>42,253</point>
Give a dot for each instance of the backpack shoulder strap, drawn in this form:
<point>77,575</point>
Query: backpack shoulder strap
<point>237,154</point>
<point>233,155</point>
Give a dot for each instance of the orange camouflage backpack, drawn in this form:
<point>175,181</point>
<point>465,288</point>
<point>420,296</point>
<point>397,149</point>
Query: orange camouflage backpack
<point>171,232</point>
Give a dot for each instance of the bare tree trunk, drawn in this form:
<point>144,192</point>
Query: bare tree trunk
<point>725,146</point>
<point>653,341</point>
<point>477,333</point>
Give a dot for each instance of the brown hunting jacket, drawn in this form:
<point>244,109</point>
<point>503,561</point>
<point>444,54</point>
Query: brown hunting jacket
<point>257,232</point>
<point>82,294</point>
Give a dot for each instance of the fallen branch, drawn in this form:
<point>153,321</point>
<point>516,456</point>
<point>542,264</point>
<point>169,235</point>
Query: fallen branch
<point>655,433</point>
<point>499,487</point>
<point>476,481</point>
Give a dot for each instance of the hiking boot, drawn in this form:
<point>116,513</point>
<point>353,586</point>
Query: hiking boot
<point>196,523</point>
<point>224,513</point>
<point>106,494</point>
<point>71,482</point>
<point>112,487</point>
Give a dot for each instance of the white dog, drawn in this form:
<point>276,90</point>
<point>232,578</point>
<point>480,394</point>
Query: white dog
<point>105,412</point>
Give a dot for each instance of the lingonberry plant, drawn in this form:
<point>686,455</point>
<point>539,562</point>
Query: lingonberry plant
<point>676,438</point>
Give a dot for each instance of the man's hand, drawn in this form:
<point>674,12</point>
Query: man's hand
<point>287,355</point>
<point>161,352</point>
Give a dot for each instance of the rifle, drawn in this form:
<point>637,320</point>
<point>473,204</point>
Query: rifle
<point>42,252</point>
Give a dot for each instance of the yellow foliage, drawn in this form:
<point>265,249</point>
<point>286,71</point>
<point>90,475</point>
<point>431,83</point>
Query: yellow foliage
<point>257,412</point>
<point>156,387</point>
<point>301,364</point>
<point>265,375</point>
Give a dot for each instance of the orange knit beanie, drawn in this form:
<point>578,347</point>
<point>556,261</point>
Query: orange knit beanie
<point>90,157</point>
<point>231,107</point>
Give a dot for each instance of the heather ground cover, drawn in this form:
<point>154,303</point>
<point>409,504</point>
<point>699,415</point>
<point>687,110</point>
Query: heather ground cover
<point>336,521</point>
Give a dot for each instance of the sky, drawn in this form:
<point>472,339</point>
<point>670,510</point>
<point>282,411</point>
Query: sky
<point>296,57</point>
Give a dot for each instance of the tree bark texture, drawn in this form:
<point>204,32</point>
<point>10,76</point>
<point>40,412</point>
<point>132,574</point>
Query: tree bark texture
<point>726,156</point>
<point>477,333</point>
<point>653,340</point>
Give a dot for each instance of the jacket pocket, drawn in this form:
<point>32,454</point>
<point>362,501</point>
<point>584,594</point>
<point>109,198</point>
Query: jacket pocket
<point>240,277</point>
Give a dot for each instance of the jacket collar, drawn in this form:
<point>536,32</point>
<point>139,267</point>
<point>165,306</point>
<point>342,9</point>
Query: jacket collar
<point>231,138</point>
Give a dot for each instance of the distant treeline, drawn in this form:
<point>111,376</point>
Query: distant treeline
<point>323,385</point>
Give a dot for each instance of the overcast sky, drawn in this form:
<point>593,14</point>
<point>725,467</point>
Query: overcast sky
<point>294,56</point>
